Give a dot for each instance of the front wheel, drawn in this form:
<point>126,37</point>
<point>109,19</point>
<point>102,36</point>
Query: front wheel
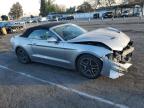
<point>89,66</point>
<point>22,56</point>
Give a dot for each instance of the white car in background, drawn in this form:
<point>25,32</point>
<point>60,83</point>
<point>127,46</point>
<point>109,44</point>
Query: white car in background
<point>43,19</point>
<point>21,22</point>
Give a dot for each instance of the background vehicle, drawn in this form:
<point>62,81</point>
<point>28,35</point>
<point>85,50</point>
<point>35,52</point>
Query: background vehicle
<point>137,14</point>
<point>11,27</point>
<point>2,24</point>
<point>108,15</point>
<point>20,22</point>
<point>125,13</point>
<point>54,17</point>
<point>96,16</point>
<point>43,19</point>
<point>29,20</point>
<point>67,17</point>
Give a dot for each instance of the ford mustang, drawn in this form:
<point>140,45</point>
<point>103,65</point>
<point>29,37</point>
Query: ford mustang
<point>104,51</point>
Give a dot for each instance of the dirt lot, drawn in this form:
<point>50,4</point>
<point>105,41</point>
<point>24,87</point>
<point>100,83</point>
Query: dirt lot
<point>33,85</point>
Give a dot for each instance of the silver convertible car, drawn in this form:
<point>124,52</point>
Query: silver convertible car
<point>105,51</point>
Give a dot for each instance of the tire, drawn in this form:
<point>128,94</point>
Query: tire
<point>22,56</point>
<point>89,66</point>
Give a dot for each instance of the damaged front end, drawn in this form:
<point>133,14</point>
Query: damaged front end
<point>119,61</point>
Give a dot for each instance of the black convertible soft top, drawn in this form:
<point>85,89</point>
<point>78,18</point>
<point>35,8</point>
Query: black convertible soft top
<point>45,26</point>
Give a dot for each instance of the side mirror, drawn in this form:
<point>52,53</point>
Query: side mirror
<point>52,39</point>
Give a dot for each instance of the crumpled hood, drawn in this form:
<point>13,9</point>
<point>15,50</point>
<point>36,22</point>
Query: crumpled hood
<point>111,37</point>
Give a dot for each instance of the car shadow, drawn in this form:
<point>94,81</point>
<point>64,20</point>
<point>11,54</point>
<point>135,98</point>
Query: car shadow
<point>42,71</point>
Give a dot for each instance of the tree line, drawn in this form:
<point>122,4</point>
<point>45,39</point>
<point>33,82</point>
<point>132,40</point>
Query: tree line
<point>48,6</point>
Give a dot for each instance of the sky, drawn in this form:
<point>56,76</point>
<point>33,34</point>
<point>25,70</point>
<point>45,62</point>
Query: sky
<point>32,6</point>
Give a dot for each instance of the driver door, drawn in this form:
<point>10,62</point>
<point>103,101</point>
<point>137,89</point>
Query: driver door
<point>45,47</point>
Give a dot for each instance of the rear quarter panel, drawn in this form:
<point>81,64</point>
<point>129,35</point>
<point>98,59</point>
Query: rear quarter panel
<point>22,42</point>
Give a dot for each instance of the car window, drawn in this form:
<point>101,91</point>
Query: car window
<point>68,32</point>
<point>41,35</point>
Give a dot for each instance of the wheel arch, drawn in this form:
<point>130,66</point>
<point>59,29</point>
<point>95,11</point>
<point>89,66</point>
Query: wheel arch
<point>18,48</point>
<point>23,49</point>
<point>25,52</point>
<point>77,58</point>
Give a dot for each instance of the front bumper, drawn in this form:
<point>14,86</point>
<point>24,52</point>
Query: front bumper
<point>113,69</point>
<point>118,69</point>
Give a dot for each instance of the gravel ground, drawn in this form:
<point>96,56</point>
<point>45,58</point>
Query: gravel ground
<point>21,92</point>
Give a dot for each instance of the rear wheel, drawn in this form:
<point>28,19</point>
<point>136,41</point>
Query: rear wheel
<point>89,66</point>
<point>22,56</point>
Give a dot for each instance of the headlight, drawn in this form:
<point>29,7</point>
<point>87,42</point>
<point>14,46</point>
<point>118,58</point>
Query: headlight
<point>131,43</point>
<point>110,56</point>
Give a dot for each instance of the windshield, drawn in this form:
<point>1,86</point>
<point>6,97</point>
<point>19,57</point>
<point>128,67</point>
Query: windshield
<point>69,31</point>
